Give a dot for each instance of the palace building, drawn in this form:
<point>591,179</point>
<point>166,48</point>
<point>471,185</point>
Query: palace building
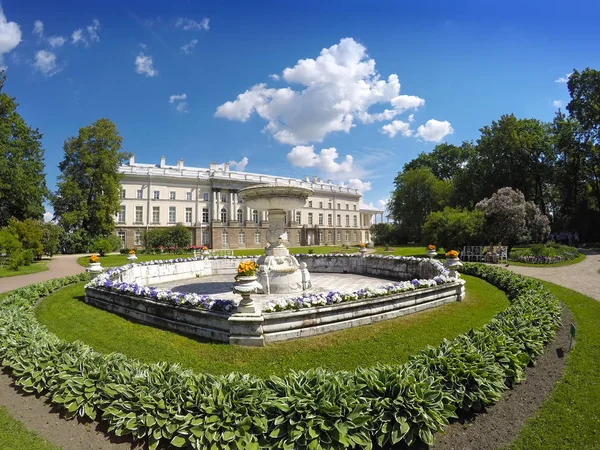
<point>205,200</point>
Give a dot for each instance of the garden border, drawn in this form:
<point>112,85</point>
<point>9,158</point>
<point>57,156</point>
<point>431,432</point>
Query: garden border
<point>317,408</point>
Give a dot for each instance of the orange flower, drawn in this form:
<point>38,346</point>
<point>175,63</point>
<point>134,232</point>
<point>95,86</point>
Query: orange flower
<point>247,268</point>
<point>431,247</point>
<point>362,245</point>
<point>94,259</point>
<point>452,254</point>
<point>132,252</point>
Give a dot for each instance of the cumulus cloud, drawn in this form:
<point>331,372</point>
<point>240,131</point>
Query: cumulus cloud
<point>239,165</point>
<point>145,66</point>
<point>56,41</point>
<point>46,63</point>
<point>192,25</point>
<point>398,126</point>
<point>383,203</point>
<point>177,97</point>
<point>188,48</point>
<point>325,161</point>
<point>87,36</point>
<point>10,35</point>
<point>38,28</point>
<point>564,79</point>
<point>557,103</point>
<point>359,185</point>
<point>274,76</point>
<point>339,87</point>
<point>48,216</point>
<point>434,130</point>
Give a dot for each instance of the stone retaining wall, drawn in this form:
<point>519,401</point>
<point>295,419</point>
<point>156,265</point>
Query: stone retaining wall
<point>258,329</point>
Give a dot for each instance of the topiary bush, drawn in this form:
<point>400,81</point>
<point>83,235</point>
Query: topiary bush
<point>317,409</point>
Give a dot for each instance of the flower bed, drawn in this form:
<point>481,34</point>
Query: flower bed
<point>544,254</point>
<point>382,405</point>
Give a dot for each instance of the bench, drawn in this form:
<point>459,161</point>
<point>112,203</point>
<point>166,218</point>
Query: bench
<point>473,253</point>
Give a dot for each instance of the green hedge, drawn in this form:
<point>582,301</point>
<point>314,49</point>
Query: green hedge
<point>369,407</point>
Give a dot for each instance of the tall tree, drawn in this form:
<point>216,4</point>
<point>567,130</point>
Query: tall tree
<point>444,160</point>
<point>418,192</point>
<point>22,179</point>
<point>87,198</point>
<point>584,88</point>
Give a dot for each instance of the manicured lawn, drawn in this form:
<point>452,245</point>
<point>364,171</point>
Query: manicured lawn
<point>119,260</point>
<point>417,251</point>
<point>580,258</point>
<point>14,436</point>
<point>66,315</point>
<point>36,266</point>
<point>570,417</point>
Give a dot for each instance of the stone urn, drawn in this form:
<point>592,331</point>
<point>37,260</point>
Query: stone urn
<point>132,257</point>
<point>205,253</point>
<point>452,264</point>
<point>246,285</point>
<point>431,253</point>
<point>363,251</point>
<point>95,269</point>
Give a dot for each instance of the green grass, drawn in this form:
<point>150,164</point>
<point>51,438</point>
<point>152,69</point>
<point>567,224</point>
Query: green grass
<point>570,417</point>
<point>35,267</point>
<point>14,435</point>
<point>579,258</point>
<point>119,260</point>
<point>66,315</point>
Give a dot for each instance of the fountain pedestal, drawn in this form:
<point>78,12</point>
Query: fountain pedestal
<point>279,272</point>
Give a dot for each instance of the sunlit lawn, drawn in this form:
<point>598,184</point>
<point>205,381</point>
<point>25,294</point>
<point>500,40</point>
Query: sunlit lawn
<point>36,266</point>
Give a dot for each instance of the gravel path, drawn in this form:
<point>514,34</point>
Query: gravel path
<point>582,277</point>
<point>59,266</point>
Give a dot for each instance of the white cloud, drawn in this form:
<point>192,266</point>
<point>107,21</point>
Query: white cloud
<point>10,35</point>
<point>434,130</point>
<point>341,84</point>
<point>145,66</point>
<point>383,203</point>
<point>239,165</point>
<point>193,25</point>
<point>563,79</point>
<point>180,102</point>
<point>274,76</point>
<point>325,161</point>
<point>359,185</point>
<point>38,28</point>
<point>188,48</point>
<point>87,37</point>
<point>48,216</point>
<point>77,36</point>
<point>46,63</point>
<point>398,126</point>
<point>177,97</point>
<point>56,41</point>
<point>557,103</point>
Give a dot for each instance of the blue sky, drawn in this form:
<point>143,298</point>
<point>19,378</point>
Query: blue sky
<point>371,85</point>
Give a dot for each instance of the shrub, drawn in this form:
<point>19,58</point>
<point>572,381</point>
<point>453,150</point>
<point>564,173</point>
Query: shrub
<point>176,236</point>
<point>385,405</point>
<point>454,228</point>
<point>544,253</point>
<point>28,257</point>
<point>16,260</point>
<point>104,245</point>
<point>77,241</point>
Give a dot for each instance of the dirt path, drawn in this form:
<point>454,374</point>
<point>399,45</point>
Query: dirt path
<point>582,277</point>
<point>58,266</point>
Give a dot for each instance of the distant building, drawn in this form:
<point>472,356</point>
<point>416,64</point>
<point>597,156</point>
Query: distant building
<point>206,202</point>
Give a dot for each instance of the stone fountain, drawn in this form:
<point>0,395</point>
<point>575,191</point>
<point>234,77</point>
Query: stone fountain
<point>279,272</point>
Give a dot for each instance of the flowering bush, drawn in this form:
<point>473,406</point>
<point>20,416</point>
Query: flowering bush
<point>247,268</point>
<point>431,247</point>
<point>452,254</point>
<point>94,259</point>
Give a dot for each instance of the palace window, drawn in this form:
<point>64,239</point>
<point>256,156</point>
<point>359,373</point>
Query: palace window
<point>310,204</point>
<point>156,214</point>
<point>355,219</point>
<point>320,219</point>
<point>137,238</point>
<point>224,198</point>
<point>347,236</point>
<point>205,238</point>
<point>298,217</point>
<point>339,220</point>
<point>329,237</point>
<point>188,215</point>
<point>172,214</point>
<point>257,237</point>
<point>156,195</point>
<point>329,219</point>
<point>121,235</point>
<point>224,237</point>
<point>255,216</point>
<point>321,205</point>
<point>241,237</point>
<point>347,220</point>
<point>121,216</point>
<point>188,195</point>
<point>204,215</point>
<point>139,193</point>
<point>240,216</point>
<point>347,206</point>
<point>123,193</point>
<point>139,214</point>
<point>205,196</point>
<point>172,195</point>
<point>310,218</point>
<point>223,215</point>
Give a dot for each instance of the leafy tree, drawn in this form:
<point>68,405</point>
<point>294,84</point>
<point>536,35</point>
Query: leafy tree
<point>444,160</point>
<point>510,219</point>
<point>418,192</point>
<point>77,241</point>
<point>176,236</point>
<point>454,228</point>
<point>9,241</point>
<point>88,188</point>
<point>22,179</point>
<point>584,88</point>
<point>180,236</point>
<point>52,236</point>
<point>388,234</point>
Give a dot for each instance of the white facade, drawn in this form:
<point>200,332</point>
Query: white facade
<point>205,200</point>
